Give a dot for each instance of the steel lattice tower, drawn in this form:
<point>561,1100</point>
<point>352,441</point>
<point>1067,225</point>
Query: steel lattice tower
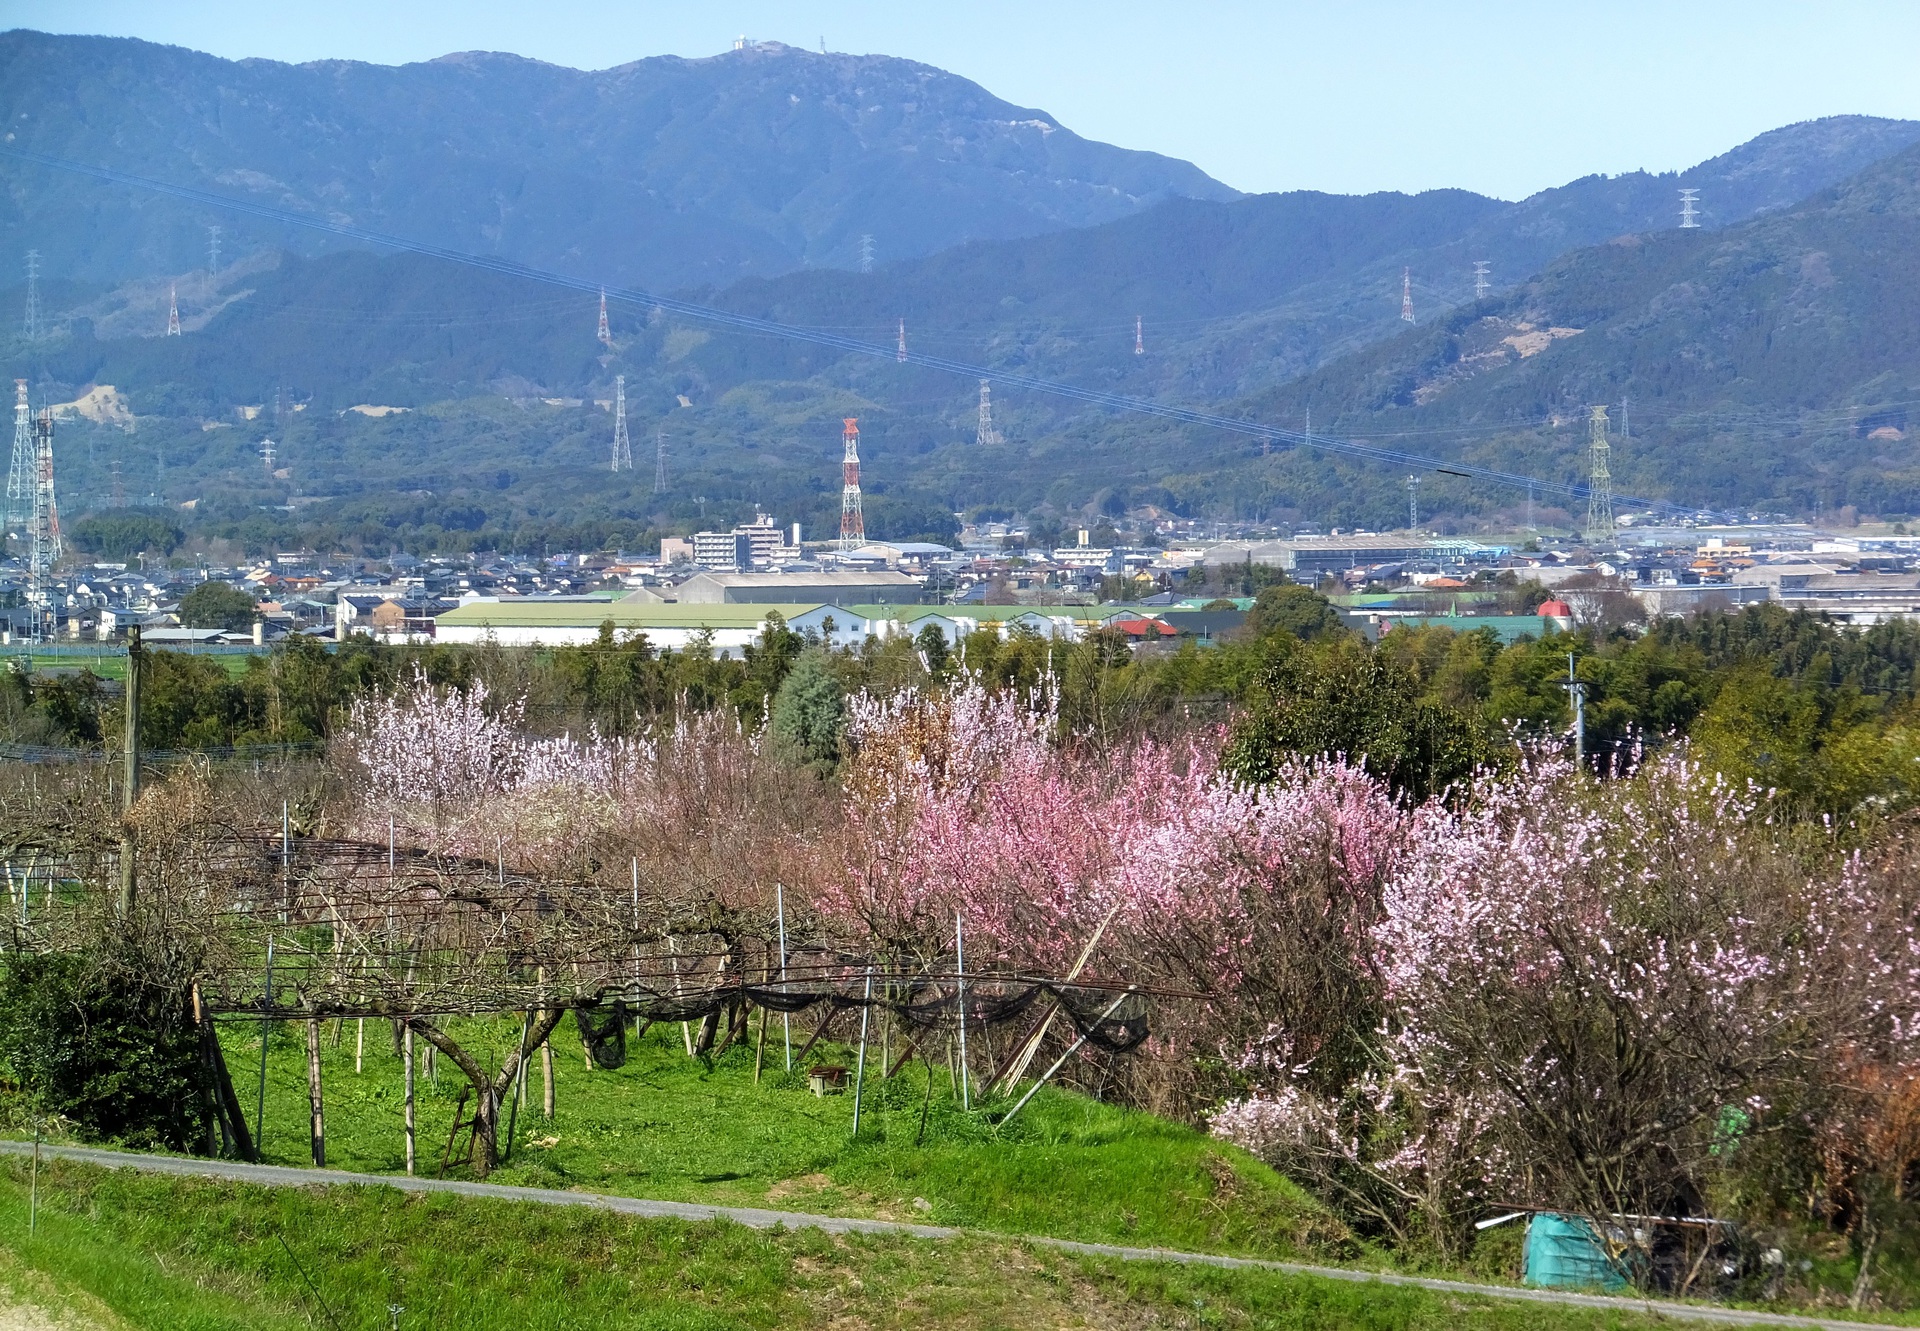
<point>20,475</point>
<point>1406,294</point>
<point>660,462</point>
<point>853,526</point>
<point>43,534</point>
<point>1139,337</point>
<point>984,433</point>
<point>1480,284</point>
<point>1689,205</point>
<point>605,334</point>
<point>1413,503</point>
<point>901,354</point>
<point>30,325</point>
<point>1600,529</point>
<point>173,311</point>
<point>622,448</point>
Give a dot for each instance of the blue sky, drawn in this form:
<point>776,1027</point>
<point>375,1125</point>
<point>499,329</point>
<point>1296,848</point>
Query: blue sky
<point>1501,97</point>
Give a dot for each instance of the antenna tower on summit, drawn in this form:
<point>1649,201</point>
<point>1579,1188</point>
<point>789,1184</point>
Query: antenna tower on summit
<point>984,433</point>
<point>173,311</point>
<point>1600,530</point>
<point>659,461</point>
<point>622,448</point>
<point>1689,209</point>
<point>30,325</point>
<point>1406,294</point>
<point>1139,338</point>
<point>901,354</point>
<point>1480,284</point>
<point>605,335</point>
<point>853,526</point>
<point>20,475</point>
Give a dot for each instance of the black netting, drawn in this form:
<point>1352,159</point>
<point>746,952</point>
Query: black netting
<point>604,1034</point>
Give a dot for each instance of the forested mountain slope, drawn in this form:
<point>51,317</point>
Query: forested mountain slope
<point>664,171</point>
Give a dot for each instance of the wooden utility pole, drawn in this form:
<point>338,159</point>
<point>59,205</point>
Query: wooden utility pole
<point>130,784</point>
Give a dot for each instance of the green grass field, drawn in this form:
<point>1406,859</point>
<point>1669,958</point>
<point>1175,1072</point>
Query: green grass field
<point>667,1126</point>
<point>115,1249</point>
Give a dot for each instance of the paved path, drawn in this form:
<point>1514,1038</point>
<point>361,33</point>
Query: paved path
<point>757,1218</point>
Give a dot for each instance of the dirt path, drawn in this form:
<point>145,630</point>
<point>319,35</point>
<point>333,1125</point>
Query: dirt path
<point>756,1218</point>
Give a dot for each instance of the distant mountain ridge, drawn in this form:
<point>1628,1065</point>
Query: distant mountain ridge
<point>664,171</point>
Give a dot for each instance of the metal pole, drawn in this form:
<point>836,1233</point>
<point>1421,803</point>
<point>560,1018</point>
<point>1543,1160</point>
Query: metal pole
<point>260,1114</point>
<point>786,1019</point>
<point>33,1187</point>
<point>130,780</point>
<point>1059,1062</point>
<point>860,1064</point>
<point>960,1004</point>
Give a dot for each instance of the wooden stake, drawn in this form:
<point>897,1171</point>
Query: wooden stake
<point>760,1047</point>
<point>319,1124</point>
<point>406,1061</point>
<point>546,1079</point>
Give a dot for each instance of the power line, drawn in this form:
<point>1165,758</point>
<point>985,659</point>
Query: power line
<point>850,345</point>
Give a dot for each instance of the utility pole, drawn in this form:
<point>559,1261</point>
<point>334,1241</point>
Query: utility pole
<point>1577,691</point>
<point>1406,294</point>
<point>622,447</point>
<point>130,783</point>
<point>1481,286</point>
<point>1600,529</point>
<point>30,325</point>
<point>1689,209</point>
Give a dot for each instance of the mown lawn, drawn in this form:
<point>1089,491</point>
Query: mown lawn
<point>113,1247</point>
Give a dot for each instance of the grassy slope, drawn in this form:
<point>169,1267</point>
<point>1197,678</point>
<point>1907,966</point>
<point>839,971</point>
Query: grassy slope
<point>201,1256</point>
<point>666,1127</point>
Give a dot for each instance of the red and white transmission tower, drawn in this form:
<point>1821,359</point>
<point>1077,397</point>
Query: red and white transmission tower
<point>1406,294</point>
<point>43,533</point>
<point>901,354</point>
<point>173,312</point>
<point>605,336</point>
<point>1139,341</point>
<point>853,527</point>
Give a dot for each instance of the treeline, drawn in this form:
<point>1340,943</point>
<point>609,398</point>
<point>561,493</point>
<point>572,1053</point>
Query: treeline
<point>1823,712</point>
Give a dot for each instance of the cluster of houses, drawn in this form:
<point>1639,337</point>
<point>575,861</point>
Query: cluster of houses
<point>717,588</point>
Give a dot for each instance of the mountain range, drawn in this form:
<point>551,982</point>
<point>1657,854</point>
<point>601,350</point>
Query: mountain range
<point>1761,353</point>
<point>659,172</point>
